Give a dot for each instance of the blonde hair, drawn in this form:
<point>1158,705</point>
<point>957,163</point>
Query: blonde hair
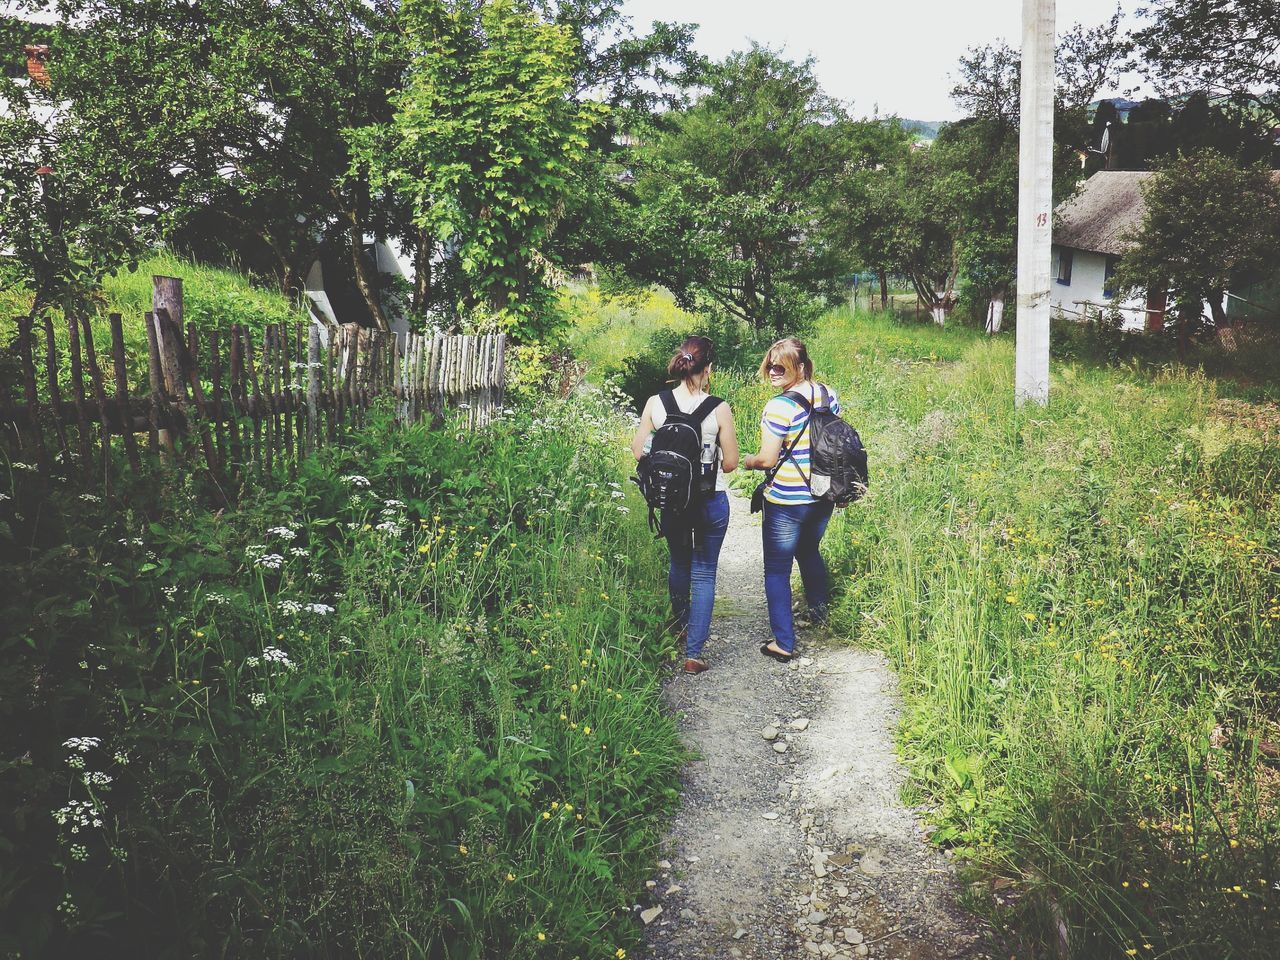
<point>790,354</point>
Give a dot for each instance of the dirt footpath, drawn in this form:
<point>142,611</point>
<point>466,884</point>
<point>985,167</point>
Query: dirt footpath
<point>791,840</point>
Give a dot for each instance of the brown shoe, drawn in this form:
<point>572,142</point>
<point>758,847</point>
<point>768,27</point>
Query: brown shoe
<point>695,666</point>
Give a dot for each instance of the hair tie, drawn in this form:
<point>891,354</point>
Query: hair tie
<point>687,356</point>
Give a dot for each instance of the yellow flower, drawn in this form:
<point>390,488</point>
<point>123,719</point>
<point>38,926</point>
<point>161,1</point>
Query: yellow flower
<point>588,651</point>
<point>1029,617</point>
<point>564,716</point>
<point>462,849</point>
<point>573,688</point>
<point>1131,952</point>
<point>546,666</point>
<point>569,807</point>
<point>635,752</point>
<point>1234,843</point>
<point>199,633</point>
<point>546,815</point>
<point>1010,598</point>
<point>620,954</point>
<point>541,935</point>
<point>424,549</point>
<point>510,877</point>
<point>587,731</point>
<point>555,804</point>
<point>577,816</point>
<point>617,696</point>
<point>1124,883</point>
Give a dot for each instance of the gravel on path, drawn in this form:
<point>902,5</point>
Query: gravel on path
<point>791,839</point>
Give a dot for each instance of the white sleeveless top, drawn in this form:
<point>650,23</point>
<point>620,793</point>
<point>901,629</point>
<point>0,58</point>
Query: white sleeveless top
<point>710,427</point>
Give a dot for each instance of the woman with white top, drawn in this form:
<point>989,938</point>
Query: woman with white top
<point>692,574</point>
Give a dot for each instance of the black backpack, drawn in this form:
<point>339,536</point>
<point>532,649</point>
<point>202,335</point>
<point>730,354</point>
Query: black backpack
<point>837,459</point>
<point>671,474</point>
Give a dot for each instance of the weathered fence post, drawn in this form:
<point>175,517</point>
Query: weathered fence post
<point>313,386</point>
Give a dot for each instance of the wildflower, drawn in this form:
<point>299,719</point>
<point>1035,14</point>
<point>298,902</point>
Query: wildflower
<point>1234,843</point>
<point>269,561</point>
<point>617,494</point>
<point>23,466</point>
<point>392,504</point>
<point>620,954</point>
<point>90,498</point>
<point>82,744</point>
<point>169,592</point>
<point>1029,617</point>
<point>319,609</point>
<point>283,533</point>
<point>290,608</point>
<point>555,804</point>
<point>1010,598</point>
<point>510,877</point>
<point>299,552</point>
<point>541,935</point>
<point>546,815</point>
<point>624,509</point>
<point>357,481</point>
<point>276,655</point>
<point>258,699</point>
<point>573,688</point>
<point>586,731</point>
<point>251,661</point>
<point>462,849</point>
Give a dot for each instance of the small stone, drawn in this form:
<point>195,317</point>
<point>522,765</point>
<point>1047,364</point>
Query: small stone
<point>852,935</point>
<point>650,915</point>
<point>779,747</point>
<point>861,950</point>
<point>650,884</point>
<point>806,821</point>
<point>819,870</point>
<point>842,891</point>
<point>693,859</point>
<point>715,637</point>
<point>688,915</point>
<point>806,661</point>
<point>770,732</point>
<point>770,815</point>
<point>827,949</point>
<point>809,945</point>
<point>816,918</point>
<point>800,723</point>
<point>664,864</point>
<point>739,934</point>
<point>674,888</point>
<point>872,864</point>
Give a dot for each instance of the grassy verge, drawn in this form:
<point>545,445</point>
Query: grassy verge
<point>1082,603</point>
<point>406,705</point>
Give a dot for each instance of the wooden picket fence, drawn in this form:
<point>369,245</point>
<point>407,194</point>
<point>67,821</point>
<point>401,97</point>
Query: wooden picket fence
<point>228,403</point>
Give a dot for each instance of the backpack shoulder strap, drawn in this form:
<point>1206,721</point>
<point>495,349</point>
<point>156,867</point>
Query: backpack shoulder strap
<point>704,409</point>
<point>799,398</point>
<point>826,397</point>
<point>668,399</point>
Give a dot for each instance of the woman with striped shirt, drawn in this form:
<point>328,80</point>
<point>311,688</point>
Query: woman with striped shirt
<point>794,519</point>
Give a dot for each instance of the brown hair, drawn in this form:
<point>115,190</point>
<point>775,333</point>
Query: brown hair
<point>791,354</point>
<point>693,356</point>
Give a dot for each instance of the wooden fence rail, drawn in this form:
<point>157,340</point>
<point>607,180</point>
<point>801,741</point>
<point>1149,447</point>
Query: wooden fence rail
<point>234,402</point>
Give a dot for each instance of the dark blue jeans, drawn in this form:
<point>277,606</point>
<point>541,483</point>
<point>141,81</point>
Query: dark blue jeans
<point>693,570</point>
<point>792,532</point>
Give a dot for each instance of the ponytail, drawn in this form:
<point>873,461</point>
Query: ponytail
<point>692,357</point>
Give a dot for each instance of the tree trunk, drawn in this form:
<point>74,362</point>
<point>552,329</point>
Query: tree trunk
<point>884,289</point>
<point>995,313</point>
<point>422,272</point>
<point>366,279</point>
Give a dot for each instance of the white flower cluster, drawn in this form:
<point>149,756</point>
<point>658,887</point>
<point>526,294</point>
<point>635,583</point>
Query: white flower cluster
<point>95,778</point>
<point>390,527</point>
<point>299,552</point>
<point>169,592</point>
<point>68,907</point>
<point>121,758</point>
<point>252,661</point>
<point>283,533</point>
<point>30,467</point>
<point>319,609</point>
<point>75,761</point>
<point>78,814</point>
<point>393,504</point>
<point>82,744</point>
<point>290,608</point>
<point>258,699</point>
<point>90,498</point>
<point>276,655</point>
<point>4,497</point>
<point>221,599</point>
<point>79,852</point>
<point>616,494</point>
<point>345,640</point>
<point>357,481</point>
<point>270,561</point>
<point>131,542</point>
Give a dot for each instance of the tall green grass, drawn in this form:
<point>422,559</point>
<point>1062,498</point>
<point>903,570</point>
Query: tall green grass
<point>1082,603</point>
<point>405,705</point>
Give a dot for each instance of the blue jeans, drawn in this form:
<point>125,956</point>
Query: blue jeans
<point>693,569</point>
<point>792,532</point>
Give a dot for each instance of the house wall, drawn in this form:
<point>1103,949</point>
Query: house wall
<point>1085,292</point>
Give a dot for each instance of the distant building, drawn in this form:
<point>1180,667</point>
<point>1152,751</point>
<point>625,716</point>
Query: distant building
<point>1088,240</point>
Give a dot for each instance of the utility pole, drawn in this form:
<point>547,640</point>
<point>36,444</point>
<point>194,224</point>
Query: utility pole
<point>1035,202</point>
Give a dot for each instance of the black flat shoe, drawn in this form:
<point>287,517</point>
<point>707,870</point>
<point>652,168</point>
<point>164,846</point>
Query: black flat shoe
<point>774,654</point>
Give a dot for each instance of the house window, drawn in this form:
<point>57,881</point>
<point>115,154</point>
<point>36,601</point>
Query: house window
<point>1064,266</point>
<point>1108,272</point>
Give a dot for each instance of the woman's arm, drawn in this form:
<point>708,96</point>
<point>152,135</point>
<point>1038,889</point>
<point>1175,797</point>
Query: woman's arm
<point>642,432</point>
<point>728,439</point>
<point>767,458</point>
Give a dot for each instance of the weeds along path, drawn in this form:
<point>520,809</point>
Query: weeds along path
<point>791,840</point>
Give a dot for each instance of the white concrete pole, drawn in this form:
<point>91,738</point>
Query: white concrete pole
<point>1035,202</point>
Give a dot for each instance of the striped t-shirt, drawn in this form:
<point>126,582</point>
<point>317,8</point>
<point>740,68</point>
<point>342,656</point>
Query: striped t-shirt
<point>784,418</point>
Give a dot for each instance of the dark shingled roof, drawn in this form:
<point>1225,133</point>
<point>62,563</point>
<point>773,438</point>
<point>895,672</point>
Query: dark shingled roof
<point>1106,207</point>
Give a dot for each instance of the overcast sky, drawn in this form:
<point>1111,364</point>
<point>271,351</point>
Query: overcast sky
<point>897,55</point>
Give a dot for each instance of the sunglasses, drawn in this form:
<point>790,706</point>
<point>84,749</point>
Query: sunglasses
<point>775,370</point>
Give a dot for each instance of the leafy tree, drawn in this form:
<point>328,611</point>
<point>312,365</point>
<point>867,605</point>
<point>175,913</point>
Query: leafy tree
<point>238,105</point>
<point>1225,48</point>
<point>731,202</point>
<point>66,221</point>
<point>1207,222</point>
<point>483,144</point>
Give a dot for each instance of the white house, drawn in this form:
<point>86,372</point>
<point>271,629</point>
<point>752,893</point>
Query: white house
<point>1089,233</point>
